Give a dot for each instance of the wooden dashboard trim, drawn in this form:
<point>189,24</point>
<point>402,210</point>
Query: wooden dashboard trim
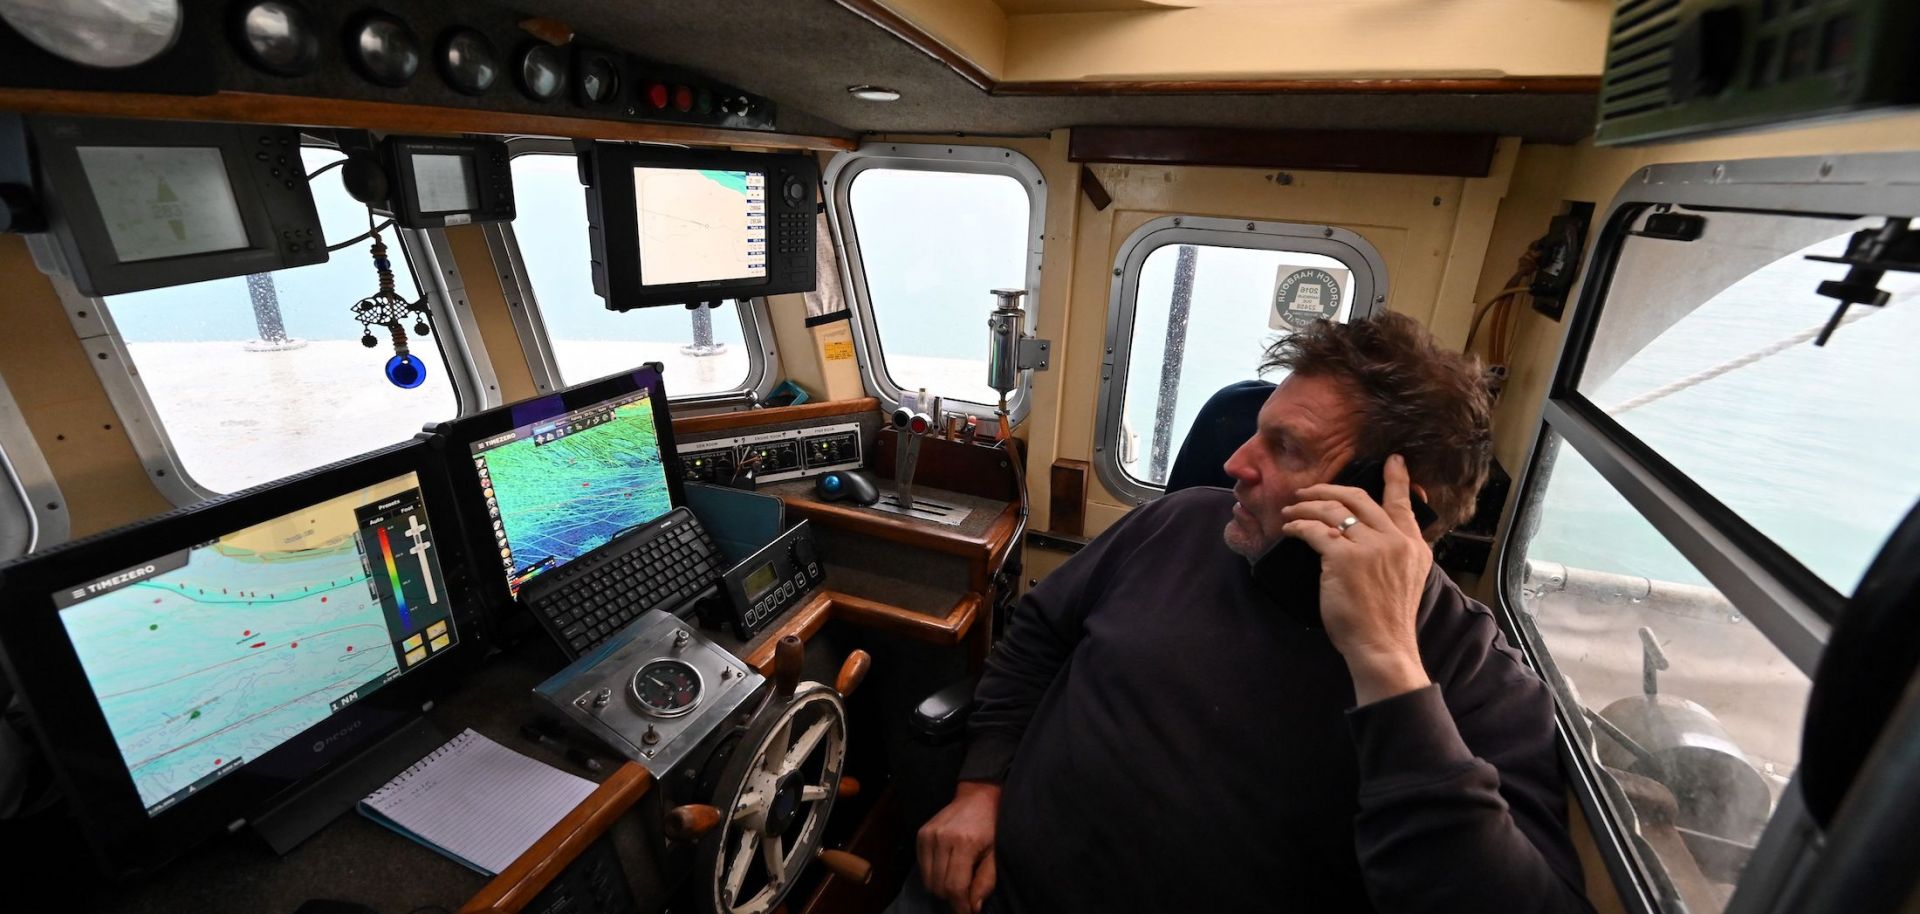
<point>824,605</point>
<point>754,418</point>
<point>305,111</point>
<point>516,887</point>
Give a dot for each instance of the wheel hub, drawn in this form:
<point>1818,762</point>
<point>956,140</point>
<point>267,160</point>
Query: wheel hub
<point>786,804</point>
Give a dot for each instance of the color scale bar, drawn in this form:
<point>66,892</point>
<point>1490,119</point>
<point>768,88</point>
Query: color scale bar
<point>393,577</point>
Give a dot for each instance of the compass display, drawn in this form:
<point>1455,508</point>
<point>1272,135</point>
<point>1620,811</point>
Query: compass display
<point>666,688</point>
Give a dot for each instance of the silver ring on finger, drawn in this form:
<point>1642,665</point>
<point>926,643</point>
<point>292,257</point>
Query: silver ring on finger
<point>1348,523</point>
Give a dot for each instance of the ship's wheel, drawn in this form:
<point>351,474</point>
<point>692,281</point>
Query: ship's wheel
<point>769,813</point>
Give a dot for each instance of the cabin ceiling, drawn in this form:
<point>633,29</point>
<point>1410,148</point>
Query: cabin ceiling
<point>804,54</point>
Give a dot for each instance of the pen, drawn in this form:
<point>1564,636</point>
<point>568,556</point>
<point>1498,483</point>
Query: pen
<point>572,753</point>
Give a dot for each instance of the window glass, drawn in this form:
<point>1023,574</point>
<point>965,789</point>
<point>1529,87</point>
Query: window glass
<point>243,401</point>
<point>1699,764</point>
<point>588,340</point>
<point>1704,351</point>
<point>935,245</point>
<point>1226,320</point>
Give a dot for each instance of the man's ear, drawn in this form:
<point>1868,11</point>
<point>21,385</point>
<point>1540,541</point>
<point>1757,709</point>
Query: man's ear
<point>1419,491</point>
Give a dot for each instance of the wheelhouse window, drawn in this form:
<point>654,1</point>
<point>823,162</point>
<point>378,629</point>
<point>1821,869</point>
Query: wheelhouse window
<point>1196,303</point>
<point>705,352</point>
<point>929,233</point>
<point>1708,486</point>
<point>249,379</point>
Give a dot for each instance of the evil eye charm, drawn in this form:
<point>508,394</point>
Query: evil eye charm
<point>406,371</point>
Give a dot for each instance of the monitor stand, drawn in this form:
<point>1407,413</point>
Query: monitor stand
<point>311,807</point>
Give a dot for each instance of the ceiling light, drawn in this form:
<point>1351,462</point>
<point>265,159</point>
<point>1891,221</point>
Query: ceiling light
<point>873,93</point>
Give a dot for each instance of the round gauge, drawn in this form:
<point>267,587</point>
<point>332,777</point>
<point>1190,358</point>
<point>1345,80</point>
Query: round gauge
<point>468,61</point>
<point>97,33</point>
<point>666,688</point>
<point>599,80</point>
<point>383,49</point>
<point>277,36</point>
<point>543,71</point>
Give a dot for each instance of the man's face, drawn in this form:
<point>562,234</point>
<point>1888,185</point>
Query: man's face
<point>1306,434</point>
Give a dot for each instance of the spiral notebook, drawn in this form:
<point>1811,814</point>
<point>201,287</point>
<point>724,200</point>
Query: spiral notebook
<point>476,801</point>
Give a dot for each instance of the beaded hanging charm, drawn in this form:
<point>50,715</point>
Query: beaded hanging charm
<point>387,309</point>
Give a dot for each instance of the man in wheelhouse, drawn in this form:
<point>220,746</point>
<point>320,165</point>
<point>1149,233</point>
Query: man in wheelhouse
<point>1159,730</point>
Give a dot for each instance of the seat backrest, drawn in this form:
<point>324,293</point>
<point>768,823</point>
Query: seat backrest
<point>1225,422</point>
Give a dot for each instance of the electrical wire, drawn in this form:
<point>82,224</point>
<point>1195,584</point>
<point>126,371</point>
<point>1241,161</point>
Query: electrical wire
<point>325,168</point>
<point>350,242</point>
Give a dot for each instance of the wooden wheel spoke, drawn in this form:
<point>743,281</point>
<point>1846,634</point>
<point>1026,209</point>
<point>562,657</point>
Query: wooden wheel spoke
<point>777,746</point>
<point>804,746</point>
<point>750,803</point>
<point>774,854</point>
<point>737,866</point>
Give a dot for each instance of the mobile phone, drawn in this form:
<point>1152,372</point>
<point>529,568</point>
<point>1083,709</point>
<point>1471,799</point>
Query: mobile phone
<point>1289,572</point>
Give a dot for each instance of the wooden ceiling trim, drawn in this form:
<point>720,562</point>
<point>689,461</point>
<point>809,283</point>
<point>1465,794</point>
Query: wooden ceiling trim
<point>1467,155</point>
<point>304,111</point>
<point>877,13</point>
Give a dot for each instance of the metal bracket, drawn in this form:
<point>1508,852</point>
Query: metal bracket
<point>1034,354</point>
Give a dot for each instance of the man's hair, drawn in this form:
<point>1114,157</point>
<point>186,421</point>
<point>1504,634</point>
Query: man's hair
<point>1414,399</point>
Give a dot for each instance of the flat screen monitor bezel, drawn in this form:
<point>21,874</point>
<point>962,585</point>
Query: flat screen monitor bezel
<point>45,668</point>
<point>76,220</point>
<point>613,232</point>
<point>458,437</point>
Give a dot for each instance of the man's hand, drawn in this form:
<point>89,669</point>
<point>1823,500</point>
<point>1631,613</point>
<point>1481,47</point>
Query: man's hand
<point>1371,578</point>
<point>956,847</point>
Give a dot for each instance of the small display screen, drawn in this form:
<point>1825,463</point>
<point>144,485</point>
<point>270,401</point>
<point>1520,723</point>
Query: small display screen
<point>758,582</point>
<point>205,659</point>
<point>445,183</point>
<point>699,225</point>
<point>560,487</point>
<point>164,201</point>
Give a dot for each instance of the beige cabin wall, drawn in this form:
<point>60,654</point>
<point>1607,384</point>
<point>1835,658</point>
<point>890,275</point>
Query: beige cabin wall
<point>1301,39</point>
<point>102,482</point>
<point>1431,233</point>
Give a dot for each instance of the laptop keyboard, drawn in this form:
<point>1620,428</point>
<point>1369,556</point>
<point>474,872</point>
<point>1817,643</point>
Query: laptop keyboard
<point>660,566</point>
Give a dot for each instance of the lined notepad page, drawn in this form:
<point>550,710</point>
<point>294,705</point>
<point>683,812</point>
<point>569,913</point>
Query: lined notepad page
<point>478,801</point>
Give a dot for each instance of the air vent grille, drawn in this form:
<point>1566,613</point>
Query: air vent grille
<point>1639,54</point>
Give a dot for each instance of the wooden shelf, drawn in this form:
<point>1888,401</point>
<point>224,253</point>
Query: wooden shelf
<point>305,111</point>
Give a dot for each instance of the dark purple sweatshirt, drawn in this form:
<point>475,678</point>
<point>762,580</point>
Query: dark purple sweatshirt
<point>1170,741</point>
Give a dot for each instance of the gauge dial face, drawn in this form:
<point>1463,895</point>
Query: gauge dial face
<point>666,688</point>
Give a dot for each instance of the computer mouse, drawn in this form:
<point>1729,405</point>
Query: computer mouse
<point>846,485</point>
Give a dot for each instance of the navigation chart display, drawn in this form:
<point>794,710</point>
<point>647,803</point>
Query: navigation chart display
<point>698,225</point>
<point>562,487</point>
<point>208,658</point>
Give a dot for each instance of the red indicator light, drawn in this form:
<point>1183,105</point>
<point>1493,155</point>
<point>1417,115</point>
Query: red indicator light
<point>657,95</point>
<point>683,98</point>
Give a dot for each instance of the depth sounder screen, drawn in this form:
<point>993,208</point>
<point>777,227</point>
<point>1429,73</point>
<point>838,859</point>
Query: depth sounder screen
<point>205,659</point>
<point>561,487</point>
<point>698,225</point>
<point>164,201</point>
<point>445,183</point>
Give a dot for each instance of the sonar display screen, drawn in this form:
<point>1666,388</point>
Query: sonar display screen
<point>208,658</point>
<point>561,487</point>
<point>699,225</point>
